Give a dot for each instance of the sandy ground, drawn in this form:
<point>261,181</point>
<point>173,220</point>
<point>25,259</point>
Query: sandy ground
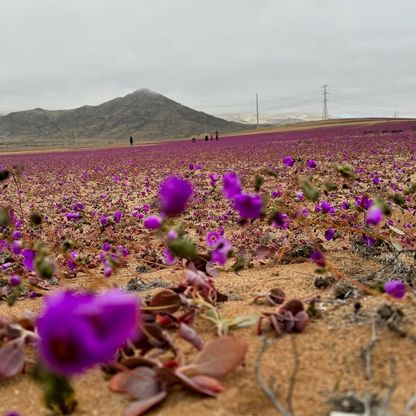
<point>329,352</point>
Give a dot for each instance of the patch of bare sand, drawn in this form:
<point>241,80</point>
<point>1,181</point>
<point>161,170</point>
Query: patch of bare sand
<point>330,353</point>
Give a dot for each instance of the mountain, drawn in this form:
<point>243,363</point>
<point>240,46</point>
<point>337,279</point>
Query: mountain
<point>143,114</point>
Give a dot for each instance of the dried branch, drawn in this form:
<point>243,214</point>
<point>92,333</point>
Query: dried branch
<point>369,347</point>
<point>294,374</point>
<point>263,385</point>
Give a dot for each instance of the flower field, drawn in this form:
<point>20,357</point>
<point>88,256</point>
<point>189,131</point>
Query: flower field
<point>261,274</point>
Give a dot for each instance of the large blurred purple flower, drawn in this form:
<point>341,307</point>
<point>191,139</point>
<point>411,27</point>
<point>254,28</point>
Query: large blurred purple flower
<point>231,185</point>
<point>174,195</point>
<point>248,205</point>
<point>95,326</point>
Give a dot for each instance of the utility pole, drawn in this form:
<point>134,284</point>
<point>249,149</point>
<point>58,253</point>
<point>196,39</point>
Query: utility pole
<point>257,109</point>
<point>395,114</point>
<point>325,114</point>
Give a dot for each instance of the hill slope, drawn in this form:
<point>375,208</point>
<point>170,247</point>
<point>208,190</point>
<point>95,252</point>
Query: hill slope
<point>143,114</point>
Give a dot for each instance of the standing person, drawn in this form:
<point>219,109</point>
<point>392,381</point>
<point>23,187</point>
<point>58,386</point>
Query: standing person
<point>193,139</point>
<point>216,134</point>
<point>206,138</point>
<point>131,140</point>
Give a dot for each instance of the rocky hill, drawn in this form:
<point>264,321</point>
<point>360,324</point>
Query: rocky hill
<point>144,114</point>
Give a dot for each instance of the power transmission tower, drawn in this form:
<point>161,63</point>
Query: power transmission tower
<point>325,114</point>
<point>257,109</point>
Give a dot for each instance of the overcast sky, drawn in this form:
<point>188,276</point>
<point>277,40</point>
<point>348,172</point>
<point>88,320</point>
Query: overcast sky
<point>212,55</point>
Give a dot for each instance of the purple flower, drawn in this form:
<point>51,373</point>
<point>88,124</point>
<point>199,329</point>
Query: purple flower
<point>213,177</point>
<point>171,235</point>
<point>318,258</point>
<point>71,265</point>
<point>369,241</point>
<point>15,280</point>
<point>310,163</point>
<point>106,246</point>
<point>16,235</point>
<point>124,251</point>
<point>28,259</point>
<point>327,207</point>
<point>16,247</point>
<point>281,220</point>
<point>300,195</point>
<point>345,205</point>
<point>103,220</point>
<point>248,205</point>
<point>96,326</point>
<point>374,216</point>
<point>221,251</point>
<point>364,202</point>
<point>117,216</point>
<point>395,288</point>
<point>212,238</point>
<point>288,161</point>
<point>108,271</point>
<point>168,257</point>
<point>72,216</point>
<point>174,195</point>
<point>329,234</point>
<point>376,180</point>
<point>152,222</point>
<point>231,185</point>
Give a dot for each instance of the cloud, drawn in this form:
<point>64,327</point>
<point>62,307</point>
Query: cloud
<point>210,55</point>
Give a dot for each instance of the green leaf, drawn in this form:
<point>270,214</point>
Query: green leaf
<point>310,191</point>
<point>58,393</point>
<point>184,248</point>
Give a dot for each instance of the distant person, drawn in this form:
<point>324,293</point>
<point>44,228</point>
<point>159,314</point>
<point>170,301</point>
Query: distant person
<point>131,140</point>
<point>206,138</point>
<point>216,134</point>
<point>193,139</point>
<point>211,137</point>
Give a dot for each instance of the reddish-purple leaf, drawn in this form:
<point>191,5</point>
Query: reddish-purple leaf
<point>140,383</point>
<point>201,384</point>
<point>301,320</point>
<point>293,305</point>
<point>208,383</point>
<point>211,269</point>
<point>142,406</point>
<point>165,301</point>
<point>12,358</point>
<point>189,334</point>
<point>275,296</point>
<point>220,356</point>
